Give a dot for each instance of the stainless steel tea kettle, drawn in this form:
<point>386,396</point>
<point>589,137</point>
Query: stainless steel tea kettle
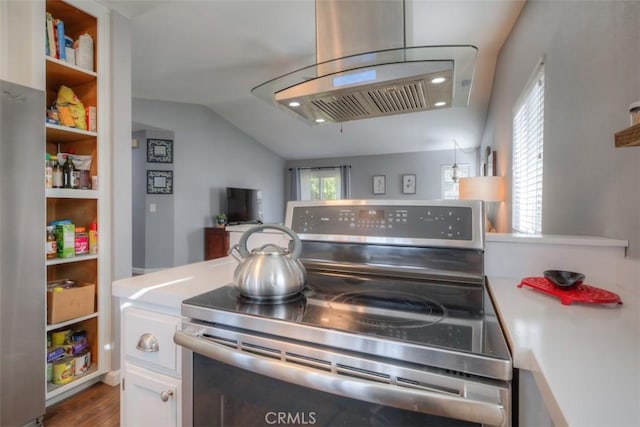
<point>268,272</point>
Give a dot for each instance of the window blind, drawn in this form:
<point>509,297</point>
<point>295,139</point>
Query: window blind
<point>528,138</point>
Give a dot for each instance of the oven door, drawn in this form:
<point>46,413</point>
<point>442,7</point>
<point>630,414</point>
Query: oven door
<point>234,378</point>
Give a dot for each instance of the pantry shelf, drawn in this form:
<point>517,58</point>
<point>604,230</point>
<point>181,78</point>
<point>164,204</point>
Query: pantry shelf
<point>77,258</point>
<point>70,322</point>
<point>63,73</point>
<point>85,76</point>
<point>54,390</point>
<point>68,193</point>
<point>67,134</point>
<point>629,137</point>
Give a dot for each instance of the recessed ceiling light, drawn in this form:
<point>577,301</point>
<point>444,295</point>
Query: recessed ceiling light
<point>319,120</point>
<point>438,80</point>
<point>294,104</point>
<point>440,104</point>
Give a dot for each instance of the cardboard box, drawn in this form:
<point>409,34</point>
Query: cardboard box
<point>65,303</point>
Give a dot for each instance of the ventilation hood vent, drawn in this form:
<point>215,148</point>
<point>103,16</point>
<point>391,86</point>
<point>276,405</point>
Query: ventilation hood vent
<point>364,68</point>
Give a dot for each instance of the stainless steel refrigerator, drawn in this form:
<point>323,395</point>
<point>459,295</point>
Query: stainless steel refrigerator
<point>22,256</point>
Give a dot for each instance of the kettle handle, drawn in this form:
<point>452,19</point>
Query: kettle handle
<point>297,244</point>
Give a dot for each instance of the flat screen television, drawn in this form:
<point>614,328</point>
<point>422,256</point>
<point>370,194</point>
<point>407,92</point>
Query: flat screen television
<point>244,206</point>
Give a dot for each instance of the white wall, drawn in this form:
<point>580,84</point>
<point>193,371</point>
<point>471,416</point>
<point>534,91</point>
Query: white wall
<point>152,250</point>
<point>22,38</point>
<point>210,154</point>
<point>121,220</point>
<point>425,165</point>
<point>592,69</point>
<point>591,52</point>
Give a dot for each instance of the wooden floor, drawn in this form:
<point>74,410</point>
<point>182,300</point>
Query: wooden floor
<point>98,405</point>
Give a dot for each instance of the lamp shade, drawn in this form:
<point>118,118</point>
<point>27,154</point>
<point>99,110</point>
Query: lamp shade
<point>487,188</point>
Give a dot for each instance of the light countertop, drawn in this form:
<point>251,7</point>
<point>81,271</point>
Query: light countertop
<point>241,228</point>
<point>585,358</point>
<point>554,239</point>
<point>169,287</point>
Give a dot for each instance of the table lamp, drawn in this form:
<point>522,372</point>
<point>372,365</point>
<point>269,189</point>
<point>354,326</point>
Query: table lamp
<point>485,188</point>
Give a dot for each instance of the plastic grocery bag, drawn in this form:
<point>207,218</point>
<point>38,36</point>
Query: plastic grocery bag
<point>80,161</point>
<point>67,101</point>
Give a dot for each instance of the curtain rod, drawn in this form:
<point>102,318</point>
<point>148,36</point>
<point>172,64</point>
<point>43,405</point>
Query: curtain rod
<point>322,167</point>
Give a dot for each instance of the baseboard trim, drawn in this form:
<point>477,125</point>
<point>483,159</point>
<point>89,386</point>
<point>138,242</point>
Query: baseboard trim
<point>112,378</point>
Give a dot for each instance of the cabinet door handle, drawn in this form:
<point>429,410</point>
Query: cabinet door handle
<point>165,395</point>
<point>148,343</point>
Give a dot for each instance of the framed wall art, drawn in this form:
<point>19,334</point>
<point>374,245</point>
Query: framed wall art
<point>379,184</point>
<point>159,182</point>
<point>159,151</point>
<point>408,184</point>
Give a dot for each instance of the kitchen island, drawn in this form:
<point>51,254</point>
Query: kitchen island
<point>150,362</point>
<point>579,364</point>
<point>167,288</point>
<point>583,360</point>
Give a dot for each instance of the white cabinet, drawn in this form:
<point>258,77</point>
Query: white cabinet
<point>149,398</point>
<point>151,368</point>
<point>148,340</point>
<point>150,309</point>
<point>532,409</point>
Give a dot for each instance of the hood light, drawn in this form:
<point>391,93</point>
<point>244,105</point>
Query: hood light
<point>440,104</point>
<point>438,80</point>
<point>294,104</point>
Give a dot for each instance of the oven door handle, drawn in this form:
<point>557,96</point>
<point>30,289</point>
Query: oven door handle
<point>416,400</point>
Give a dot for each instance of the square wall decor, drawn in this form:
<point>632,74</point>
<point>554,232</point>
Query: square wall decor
<point>408,184</point>
<point>379,184</point>
<point>159,182</point>
<point>159,151</point>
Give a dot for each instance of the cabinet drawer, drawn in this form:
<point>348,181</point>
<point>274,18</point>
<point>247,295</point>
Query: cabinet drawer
<point>149,399</point>
<point>148,337</point>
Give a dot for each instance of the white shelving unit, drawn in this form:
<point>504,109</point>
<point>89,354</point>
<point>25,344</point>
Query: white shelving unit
<point>81,206</point>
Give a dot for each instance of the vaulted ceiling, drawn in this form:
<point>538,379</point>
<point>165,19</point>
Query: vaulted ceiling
<point>213,52</point>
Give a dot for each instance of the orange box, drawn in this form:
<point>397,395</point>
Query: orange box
<point>70,303</point>
<point>92,115</point>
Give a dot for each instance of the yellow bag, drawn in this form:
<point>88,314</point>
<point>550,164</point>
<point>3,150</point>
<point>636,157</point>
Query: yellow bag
<point>66,98</point>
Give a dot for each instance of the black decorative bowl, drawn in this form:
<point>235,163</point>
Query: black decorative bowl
<point>564,279</point>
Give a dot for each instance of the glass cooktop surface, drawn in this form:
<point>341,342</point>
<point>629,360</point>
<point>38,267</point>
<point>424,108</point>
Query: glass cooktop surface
<point>423,312</point>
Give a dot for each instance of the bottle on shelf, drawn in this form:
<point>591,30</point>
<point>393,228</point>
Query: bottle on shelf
<point>75,173</point>
<point>56,173</point>
<point>93,238</point>
<point>67,172</point>
<point>52,247</point>
<point>48,171</point>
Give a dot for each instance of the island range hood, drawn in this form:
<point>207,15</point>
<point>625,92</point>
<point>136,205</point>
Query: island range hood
<point>364,68</point>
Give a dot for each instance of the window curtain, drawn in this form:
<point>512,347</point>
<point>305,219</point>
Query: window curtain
<point>294,185</point>
<point>345,180</point>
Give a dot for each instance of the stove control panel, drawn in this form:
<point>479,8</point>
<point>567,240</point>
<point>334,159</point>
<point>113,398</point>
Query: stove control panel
<point>411,222</point>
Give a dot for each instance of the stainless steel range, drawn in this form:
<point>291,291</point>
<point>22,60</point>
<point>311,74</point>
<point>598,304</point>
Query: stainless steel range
<point>393,327</point>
